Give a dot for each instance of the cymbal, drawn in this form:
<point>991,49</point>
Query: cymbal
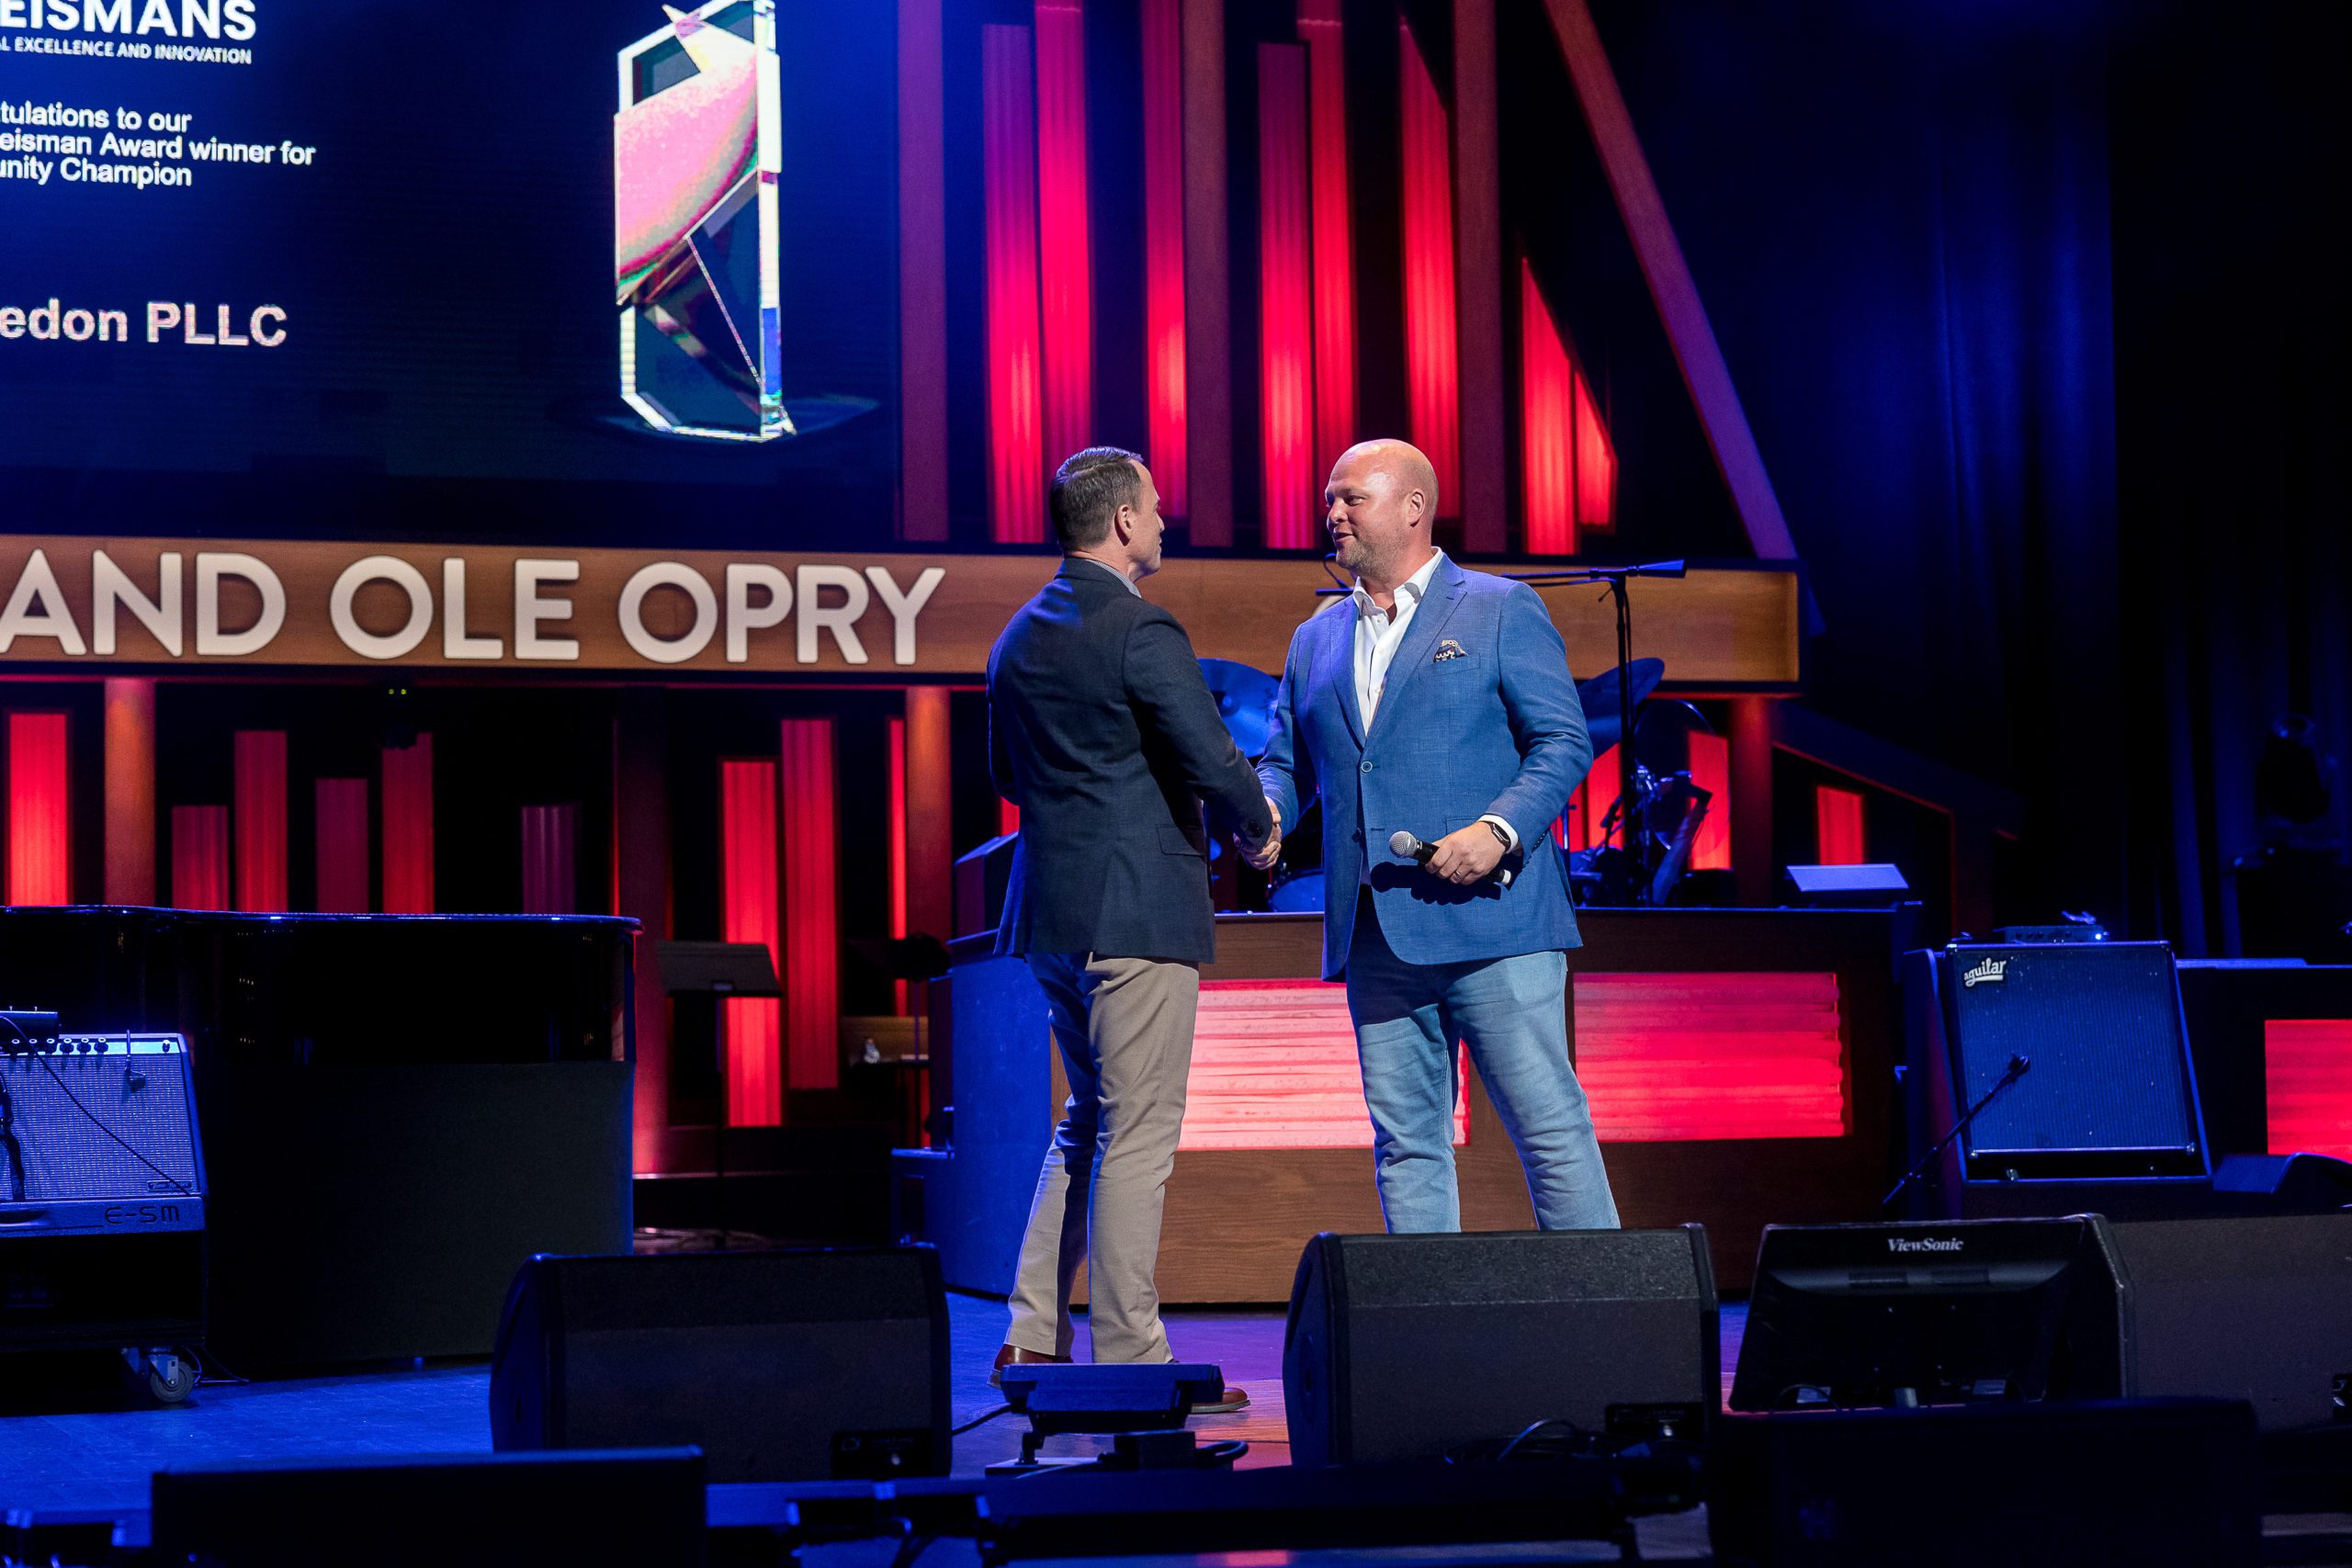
<point>1245,700</point>
<point>1599,696</point>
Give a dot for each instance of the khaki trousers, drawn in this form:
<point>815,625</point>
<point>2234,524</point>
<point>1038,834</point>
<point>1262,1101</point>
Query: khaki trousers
<point>1124,1030</point>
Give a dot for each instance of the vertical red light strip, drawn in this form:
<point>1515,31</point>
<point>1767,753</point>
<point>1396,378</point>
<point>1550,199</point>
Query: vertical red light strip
<point>1711,771</point>
<point>1838,825</point>
<point>199,857</point>
<point>1547,422</point>
<point>923,274</point>
<point>1285,312</point>
<point>812,906</point>
<point>747,912</point>
<point>1589,804</point>
<point>1596,463</point>
<point>40,863</point>
<point>1065,258</point>
<point>899,843</point>
<point>551,859</point>
<point>340,835</point>
<point>1007,816</point>
<point>1433,362</point>
<point>1008,161</point>
<point>259,792</point>
<point>1163,250</point>
<point>1334,258</point>
<point>408,827</point>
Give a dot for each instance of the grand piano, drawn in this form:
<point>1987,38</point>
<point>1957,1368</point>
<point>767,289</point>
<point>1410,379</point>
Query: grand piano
<point>396,1110</point>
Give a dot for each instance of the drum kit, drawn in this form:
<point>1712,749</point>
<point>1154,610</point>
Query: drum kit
<point>1668,807</point>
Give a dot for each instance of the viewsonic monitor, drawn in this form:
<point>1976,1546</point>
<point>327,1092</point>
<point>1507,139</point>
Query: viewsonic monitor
<point>1845,1316</point>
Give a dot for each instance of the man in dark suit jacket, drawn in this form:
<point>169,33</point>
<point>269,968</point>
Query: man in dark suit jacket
<point>1101,730</point>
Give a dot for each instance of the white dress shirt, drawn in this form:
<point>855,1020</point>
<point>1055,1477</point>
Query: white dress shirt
<point>1379,633</point>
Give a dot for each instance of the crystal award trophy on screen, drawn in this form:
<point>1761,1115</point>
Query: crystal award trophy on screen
<point>696,148</point>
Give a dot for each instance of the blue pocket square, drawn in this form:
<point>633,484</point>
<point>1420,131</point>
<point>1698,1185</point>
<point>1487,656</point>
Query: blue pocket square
<point>1447,649</point>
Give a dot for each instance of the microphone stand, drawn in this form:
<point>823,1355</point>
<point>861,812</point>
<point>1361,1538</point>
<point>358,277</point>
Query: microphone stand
<point>2016,1069</point>
<point>1635,842</point>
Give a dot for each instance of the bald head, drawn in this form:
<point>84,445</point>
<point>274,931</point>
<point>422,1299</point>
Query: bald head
<point>1381,507</point>
<point>1400,463</point>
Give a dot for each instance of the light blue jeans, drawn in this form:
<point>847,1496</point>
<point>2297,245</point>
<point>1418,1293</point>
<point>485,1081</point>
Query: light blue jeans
<point>1512,1014</point>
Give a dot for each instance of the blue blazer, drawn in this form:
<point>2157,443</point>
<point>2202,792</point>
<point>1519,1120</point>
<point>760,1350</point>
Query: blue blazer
<point>1479,715</point>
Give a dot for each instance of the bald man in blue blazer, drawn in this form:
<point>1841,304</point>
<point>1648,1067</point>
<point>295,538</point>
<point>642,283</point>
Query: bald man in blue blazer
<point>1437,701</point>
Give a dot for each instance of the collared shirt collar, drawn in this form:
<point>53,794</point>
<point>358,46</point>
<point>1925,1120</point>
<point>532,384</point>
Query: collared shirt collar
<point>1417,586</point>
<point>1123,580</point>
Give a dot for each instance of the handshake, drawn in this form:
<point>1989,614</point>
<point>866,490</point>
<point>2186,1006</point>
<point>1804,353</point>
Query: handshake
<point>1263,857</point>
<point>1463,856</point>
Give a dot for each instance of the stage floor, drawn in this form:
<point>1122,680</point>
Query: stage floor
<point>96,1456</point>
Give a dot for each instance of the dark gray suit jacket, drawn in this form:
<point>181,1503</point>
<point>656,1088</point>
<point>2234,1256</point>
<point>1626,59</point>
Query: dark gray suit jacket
<point>1101,730</point>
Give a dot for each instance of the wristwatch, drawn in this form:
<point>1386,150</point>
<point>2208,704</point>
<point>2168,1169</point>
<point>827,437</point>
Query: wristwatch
<point>1497,829</point>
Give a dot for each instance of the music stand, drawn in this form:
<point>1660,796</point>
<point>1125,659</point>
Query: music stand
<point>910,959</point>
<point>724,969</point>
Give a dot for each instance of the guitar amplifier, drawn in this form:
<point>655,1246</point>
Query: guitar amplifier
<point>101,1193</point>
<point>2110,1095</point>
<point>98,1137</point>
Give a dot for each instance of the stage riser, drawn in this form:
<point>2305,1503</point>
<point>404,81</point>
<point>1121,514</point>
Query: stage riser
<point>1236,1219</point>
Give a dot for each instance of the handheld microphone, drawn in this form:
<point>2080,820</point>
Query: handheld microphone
<point>1403,845</point>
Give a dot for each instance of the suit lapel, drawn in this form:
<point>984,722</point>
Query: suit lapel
<point>1429,620</point>
<point>1342,654</point>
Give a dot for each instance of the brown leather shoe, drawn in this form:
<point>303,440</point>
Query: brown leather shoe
<point>1012,1353</point>
<point>1234,1398</point>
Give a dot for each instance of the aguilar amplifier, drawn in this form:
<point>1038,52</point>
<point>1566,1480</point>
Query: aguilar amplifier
<point>102,1201</point>
<point>2106,1095</point>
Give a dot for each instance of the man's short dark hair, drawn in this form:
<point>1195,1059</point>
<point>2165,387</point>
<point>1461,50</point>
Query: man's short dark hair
<point>1087,492</point>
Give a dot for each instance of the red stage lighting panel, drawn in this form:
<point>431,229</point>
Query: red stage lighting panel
<point>1432,365</point>
<point>1285,301</point>
<point>408,827</point>
<point>1275,1067</point>
<point>40,810</point>
<point>1163,250</point>
<point>199,857</point>
<point>2307,1072</point>
<point>1015,330</point>
<point>748,907</point>
<point>1064,249</point>
<point>1682,1056</point>
<point>1711,771</point>
<point>1837,826</point>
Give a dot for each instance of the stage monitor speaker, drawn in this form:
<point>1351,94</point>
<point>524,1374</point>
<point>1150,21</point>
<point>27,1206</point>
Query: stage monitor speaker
<point>1407,1347</point>
<point>2283,1184</point>
<point>805,1365</point>
<point>2258,1309</point>
<point>583,1510</point>
<point>2144,1482</point>
<point>1871,886</point>
<point>2108,1094</point>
